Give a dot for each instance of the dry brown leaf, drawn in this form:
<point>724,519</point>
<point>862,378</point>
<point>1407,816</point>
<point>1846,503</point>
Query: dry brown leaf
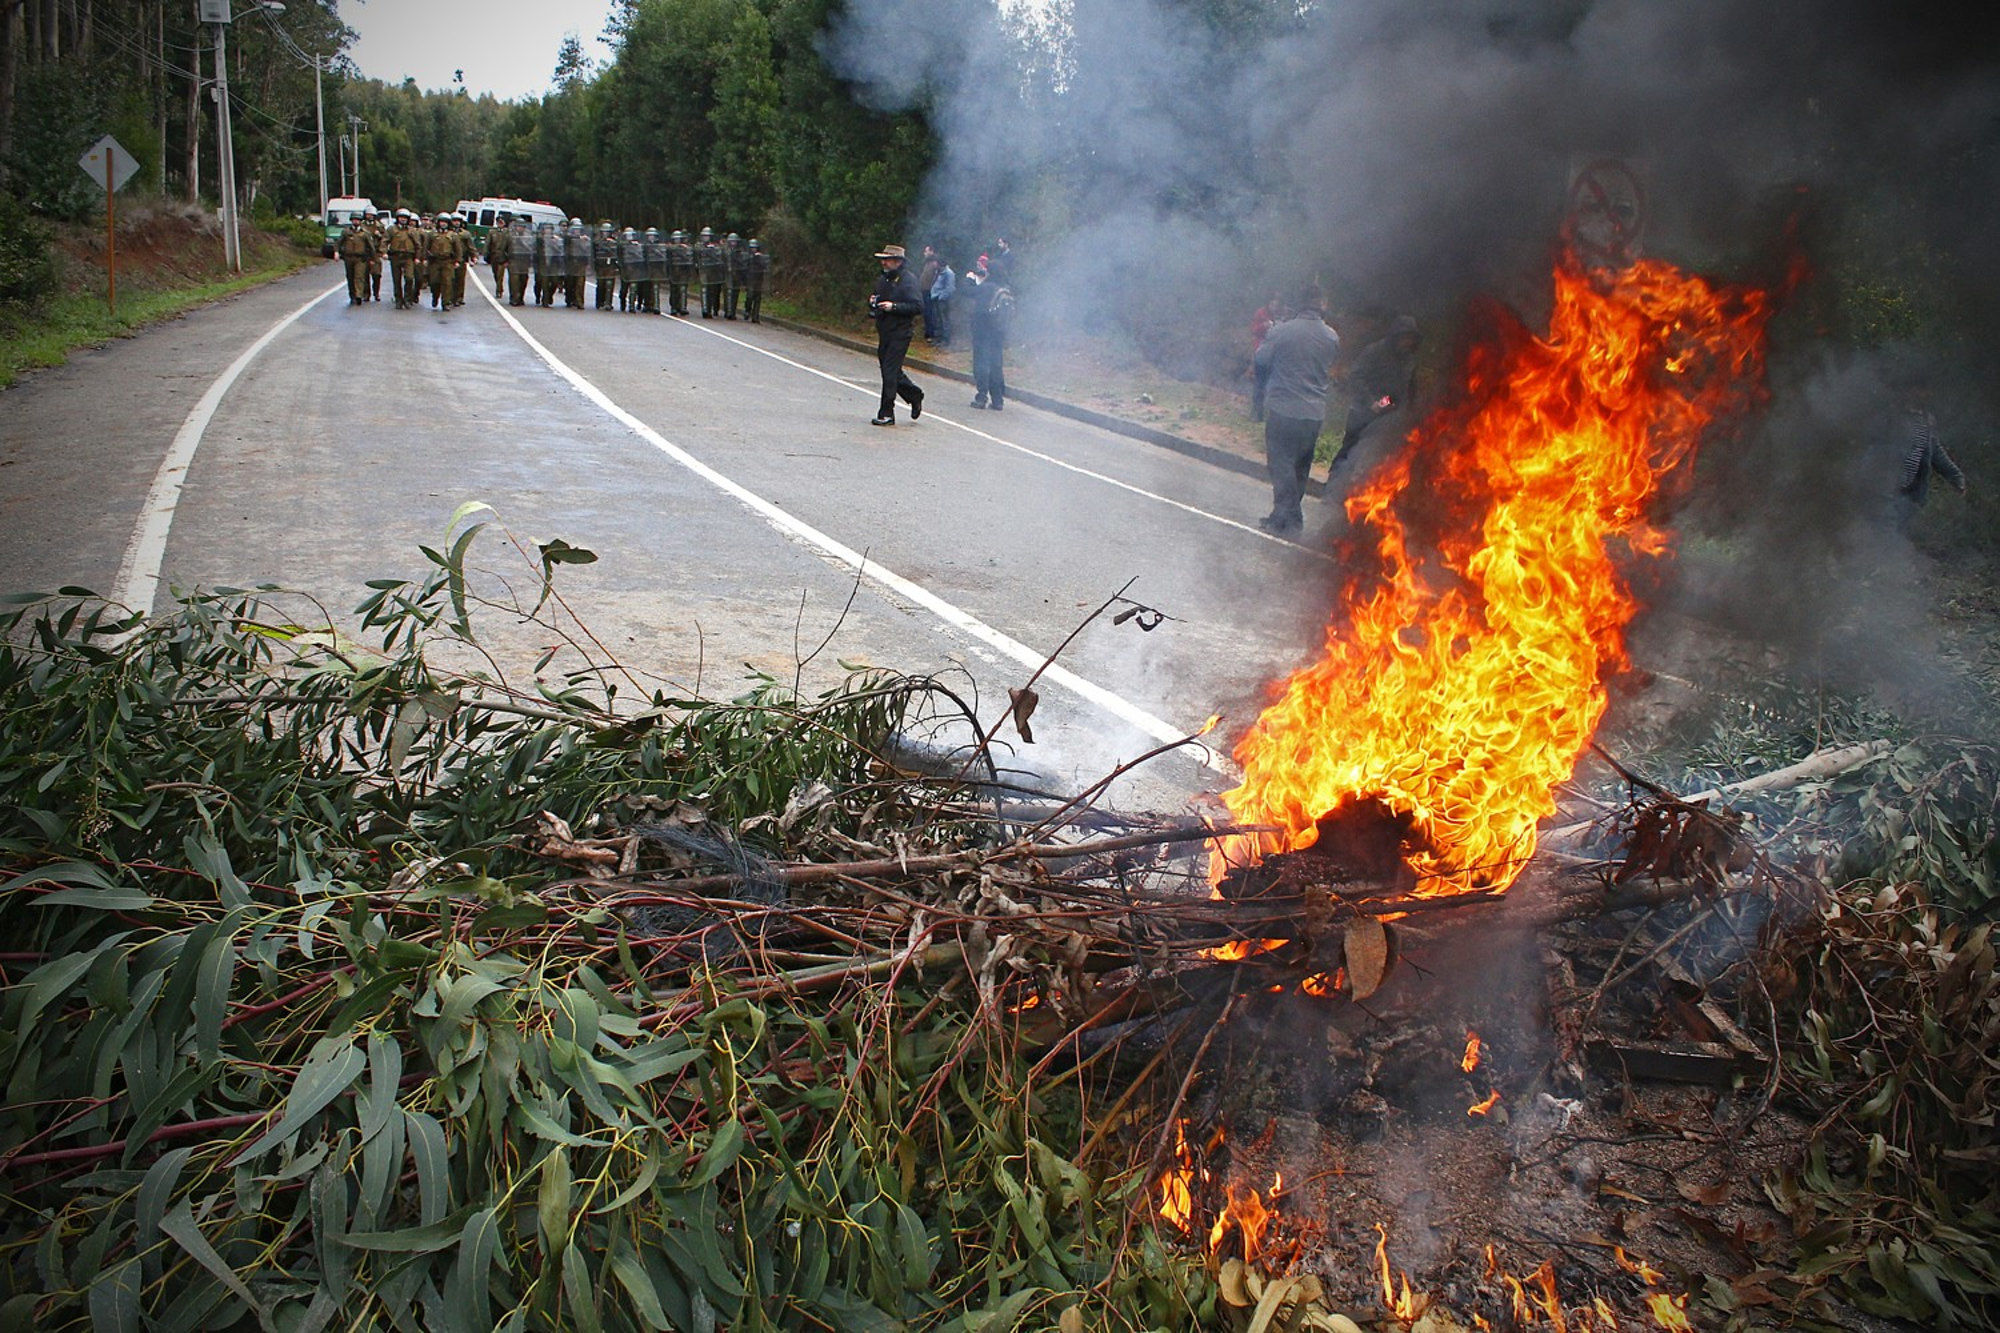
<point>1276,1298</point>
<point>1367,947</point>
<point>1329,1322</point>
<point>1023,702</point>
<point>1230,1283</point>
<point>1071,1320</point>
<point>1709,1196</point>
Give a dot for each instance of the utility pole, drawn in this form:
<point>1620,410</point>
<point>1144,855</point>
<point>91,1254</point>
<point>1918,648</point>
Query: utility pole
<point>359,127</point>
<point>216,13</point>
<point>319,116</point>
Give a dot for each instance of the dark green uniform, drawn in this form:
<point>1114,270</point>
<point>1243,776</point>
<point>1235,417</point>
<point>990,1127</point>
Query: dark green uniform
<point>405,248</point>
<point>497,241</point>
<point>357,248</point>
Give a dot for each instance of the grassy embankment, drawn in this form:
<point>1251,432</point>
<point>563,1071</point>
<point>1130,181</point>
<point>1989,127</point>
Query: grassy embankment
<point>169,261</point>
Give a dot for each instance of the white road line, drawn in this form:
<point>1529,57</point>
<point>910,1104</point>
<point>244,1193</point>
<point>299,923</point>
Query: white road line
<point>873,391</point>
<point>842,554</point>
<point>139,572</point>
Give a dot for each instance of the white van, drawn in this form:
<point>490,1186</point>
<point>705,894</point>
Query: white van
<point>480,214</point>
<point>341,210</point>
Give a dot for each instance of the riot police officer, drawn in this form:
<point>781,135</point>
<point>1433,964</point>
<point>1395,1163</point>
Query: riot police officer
<point>576,262</point>
<point>550,265</point>
<point>604,261</point>
<point>631,268</point>
<point>756,271</point>
<point>498,241</point>
<point>520,263</point>
<point>713,262</point>
<point>680,272</point>
<point>732,292</point>
<point>656,268</point>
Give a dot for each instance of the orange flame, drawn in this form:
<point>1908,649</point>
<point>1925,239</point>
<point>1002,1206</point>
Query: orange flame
<point>1485,1107</point>
<point>1247,1213</point>
<point>1542,1283</point>
<point>1471,1060</point>
<point>1669,1312</point>
<point>1397,1298</point>
<point>1648,1274</point>
<point>1466,671</point>
<point>1319,983</point>
<point>1176,1185</point>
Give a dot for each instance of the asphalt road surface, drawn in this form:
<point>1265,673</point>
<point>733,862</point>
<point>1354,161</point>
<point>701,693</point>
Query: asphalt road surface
<point>726,475</point>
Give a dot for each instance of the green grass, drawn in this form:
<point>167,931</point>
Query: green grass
<point>47,337</point>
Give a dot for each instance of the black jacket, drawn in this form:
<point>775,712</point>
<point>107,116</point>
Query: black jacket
<point>897,303</point>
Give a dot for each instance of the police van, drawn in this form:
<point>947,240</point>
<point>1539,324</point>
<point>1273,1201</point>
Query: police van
<point>340,211</point>
<point>481,214</point>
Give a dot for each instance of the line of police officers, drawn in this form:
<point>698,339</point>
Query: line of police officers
<point>630,268</point>
<point>551,259</point>
<point>423,253</point>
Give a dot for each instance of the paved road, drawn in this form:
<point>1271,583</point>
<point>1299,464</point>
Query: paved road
<point>725,473</point>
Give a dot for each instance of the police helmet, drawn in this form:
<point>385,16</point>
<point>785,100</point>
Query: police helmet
<point>652,231</point>
<point>733,237</point>
<point>707,234</point>
<point>755,243</point>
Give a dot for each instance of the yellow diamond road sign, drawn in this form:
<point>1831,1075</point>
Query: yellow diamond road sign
<point>108,158</point>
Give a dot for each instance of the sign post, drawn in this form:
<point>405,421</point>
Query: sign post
<point>111,166</point>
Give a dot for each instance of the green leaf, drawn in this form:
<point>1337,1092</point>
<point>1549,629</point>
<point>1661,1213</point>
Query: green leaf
<point>50,981</point>
<point>427,1149</point>
<point>179,1225</point>
<point>552,1201</point>
<point>580,1291</point>
<point>214,975</point>
<point>107,899</point>
<point>155,1190</point>
<point>656,1058</point>
<point>206,856</point>
<point>412,1240</point>
<point>638,1284</point>
<point>915,1244</point>
<point>468,1292</point>
<point>328,1072</point>
<point>723,1147</point>
<point>114,1299</point>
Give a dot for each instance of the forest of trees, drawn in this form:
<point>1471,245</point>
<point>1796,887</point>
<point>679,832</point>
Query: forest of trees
<point>717,112</point>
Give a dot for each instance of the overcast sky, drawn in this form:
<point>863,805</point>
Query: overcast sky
<point>506,47</point>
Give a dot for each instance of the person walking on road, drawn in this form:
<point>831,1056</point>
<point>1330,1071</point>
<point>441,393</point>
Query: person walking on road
<point>992,305</point>
<point>756,272</point>
<point>894,306</point>
<point>714,266</point>
<point>498,243</point>
<point>1297,355</point>
<point>357,247</point>
<point>943,287</point>
<point>404,250</point>
<point>441,250</point>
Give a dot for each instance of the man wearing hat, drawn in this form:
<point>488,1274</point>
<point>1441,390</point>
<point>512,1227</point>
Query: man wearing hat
<point>894,305</point>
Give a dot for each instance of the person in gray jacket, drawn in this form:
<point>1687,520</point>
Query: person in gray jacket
<point>1296,357</point>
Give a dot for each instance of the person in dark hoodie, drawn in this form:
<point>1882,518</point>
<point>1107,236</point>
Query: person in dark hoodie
<point>992,306</point>
<point>1381,379</point>
<point>894,306</point>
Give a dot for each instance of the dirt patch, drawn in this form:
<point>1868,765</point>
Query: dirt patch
<point>162,246</point>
